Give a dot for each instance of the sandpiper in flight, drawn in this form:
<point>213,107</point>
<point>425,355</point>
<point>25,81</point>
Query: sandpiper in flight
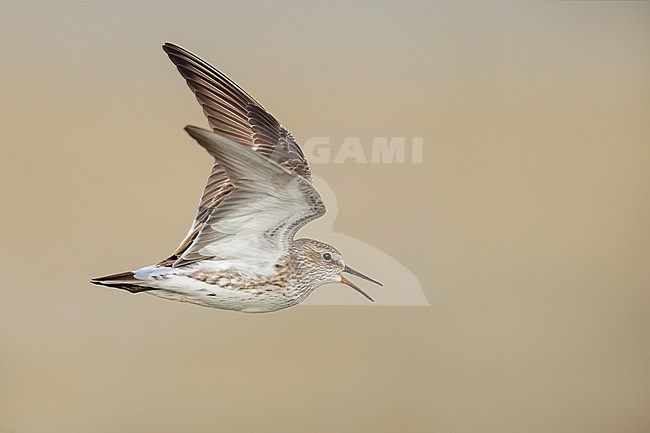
<point>240,252</point>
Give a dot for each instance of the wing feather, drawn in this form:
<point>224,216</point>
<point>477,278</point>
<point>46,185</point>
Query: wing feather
<point>257,221</point>
<point>234,114</point>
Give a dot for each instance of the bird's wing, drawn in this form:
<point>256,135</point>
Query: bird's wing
<point>256,222</point>
<point>235,115</point>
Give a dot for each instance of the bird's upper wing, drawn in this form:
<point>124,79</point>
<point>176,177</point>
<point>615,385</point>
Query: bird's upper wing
<point>234,114</point>
<point>256,222</point>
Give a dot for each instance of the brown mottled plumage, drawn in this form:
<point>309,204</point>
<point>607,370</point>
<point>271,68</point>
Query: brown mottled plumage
<point>240,253</point>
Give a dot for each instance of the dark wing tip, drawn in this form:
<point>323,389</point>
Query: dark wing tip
<point>210,141</point>
<point>176,53</point>
<point>194,131</point>
<point>199,134</point>
<point>170,46</point>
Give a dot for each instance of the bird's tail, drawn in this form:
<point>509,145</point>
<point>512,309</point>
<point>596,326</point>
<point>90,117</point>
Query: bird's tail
<point>124,281</point>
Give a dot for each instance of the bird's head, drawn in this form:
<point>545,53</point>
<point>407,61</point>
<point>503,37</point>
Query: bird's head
<point>324,264</point>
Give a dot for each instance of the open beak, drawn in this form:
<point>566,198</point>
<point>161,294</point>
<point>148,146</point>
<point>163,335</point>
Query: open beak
<point>351,271</point>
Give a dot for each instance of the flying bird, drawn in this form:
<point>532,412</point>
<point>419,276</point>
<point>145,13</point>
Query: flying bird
<point>240,252</point>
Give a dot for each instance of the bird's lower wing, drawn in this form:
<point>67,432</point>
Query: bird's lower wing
<point>258,219</point>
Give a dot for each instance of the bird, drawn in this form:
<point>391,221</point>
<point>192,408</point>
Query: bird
<point>240,253</point>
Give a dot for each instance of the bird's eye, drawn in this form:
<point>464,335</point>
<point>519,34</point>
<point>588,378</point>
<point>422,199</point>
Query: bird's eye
<point>327,256</point>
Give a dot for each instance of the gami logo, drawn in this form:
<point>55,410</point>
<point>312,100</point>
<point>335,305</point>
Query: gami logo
<point>382,150</point>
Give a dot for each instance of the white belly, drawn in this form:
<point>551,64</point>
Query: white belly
<point>257,300</point>
<point>183,285</point>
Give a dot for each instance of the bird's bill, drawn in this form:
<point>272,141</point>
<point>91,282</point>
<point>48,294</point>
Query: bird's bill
<point>351,271</point>
<point>355,287</point>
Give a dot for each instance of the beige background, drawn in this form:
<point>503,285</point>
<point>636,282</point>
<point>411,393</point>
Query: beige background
<point>527,224</point>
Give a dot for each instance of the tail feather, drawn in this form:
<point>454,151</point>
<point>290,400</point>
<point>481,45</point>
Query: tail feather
<point>124,280</point>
